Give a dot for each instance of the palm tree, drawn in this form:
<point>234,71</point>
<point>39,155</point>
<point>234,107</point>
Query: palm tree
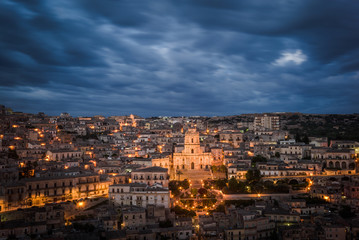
<point>179,173</point>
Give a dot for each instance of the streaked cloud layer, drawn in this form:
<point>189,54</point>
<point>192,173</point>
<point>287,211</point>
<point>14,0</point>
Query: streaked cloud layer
<point>190,57</point>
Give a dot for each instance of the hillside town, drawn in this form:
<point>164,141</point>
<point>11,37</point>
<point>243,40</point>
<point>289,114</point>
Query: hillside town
<point>252,176</point>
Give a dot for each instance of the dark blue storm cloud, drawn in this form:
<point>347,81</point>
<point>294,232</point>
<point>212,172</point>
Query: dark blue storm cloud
<point>189,57</point>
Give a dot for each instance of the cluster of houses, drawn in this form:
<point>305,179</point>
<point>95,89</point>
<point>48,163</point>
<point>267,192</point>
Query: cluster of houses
<point>67,166</point>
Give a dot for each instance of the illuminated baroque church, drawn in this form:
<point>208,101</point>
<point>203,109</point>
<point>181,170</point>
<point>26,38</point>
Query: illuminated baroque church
<point>192,156</point>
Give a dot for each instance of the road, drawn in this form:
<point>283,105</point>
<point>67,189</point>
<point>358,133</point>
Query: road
<point>257,196</point>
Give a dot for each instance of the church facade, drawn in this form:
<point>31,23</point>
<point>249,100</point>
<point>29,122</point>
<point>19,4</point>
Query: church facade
<point>192,156</point>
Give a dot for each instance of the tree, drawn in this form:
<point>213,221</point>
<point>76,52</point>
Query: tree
<point>185,184</point>
<point>194,191</point>
<point>214,168</point>
<point>220,183</point>
<point>202,191</point>
<point>223,168</point>
<point>257,188</point>
<point>183,212</point>
<point>232,185</point>
<point>219,208</point>
<point>253,175</point>
<point>173,187</point>
<point>305,139</point>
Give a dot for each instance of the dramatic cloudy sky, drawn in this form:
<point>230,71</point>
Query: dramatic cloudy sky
<point>179,57</point>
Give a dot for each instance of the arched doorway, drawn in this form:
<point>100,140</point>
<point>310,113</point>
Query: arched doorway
<point>344,165</point>
<point>337,164</point>
<point>192,165</point>
<point>293,182</point>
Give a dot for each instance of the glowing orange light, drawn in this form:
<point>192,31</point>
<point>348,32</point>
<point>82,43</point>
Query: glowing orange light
<point>12,147</point>
<point>80,204</point>
<point>15,126</point>
<point>43,144</point>
<point>17,138</point>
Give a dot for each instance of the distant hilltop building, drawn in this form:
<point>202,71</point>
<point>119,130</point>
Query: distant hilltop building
<point>192,157</point>
<point>266,122</point>
<point>65,115</point>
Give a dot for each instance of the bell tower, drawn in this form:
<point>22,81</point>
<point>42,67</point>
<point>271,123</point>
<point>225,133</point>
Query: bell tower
<point>191,142</point>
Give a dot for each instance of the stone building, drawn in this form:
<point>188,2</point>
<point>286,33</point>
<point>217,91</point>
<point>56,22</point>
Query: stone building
<point>38,191</point>
<point>192,156</point>
<point>151,176</point>
<point>139,194</point>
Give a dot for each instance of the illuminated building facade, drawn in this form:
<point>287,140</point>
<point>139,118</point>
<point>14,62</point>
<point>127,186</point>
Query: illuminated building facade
<point>139,194</point>
<point>192,156</point>
<point>41,190</point>
<point>151,176</point>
